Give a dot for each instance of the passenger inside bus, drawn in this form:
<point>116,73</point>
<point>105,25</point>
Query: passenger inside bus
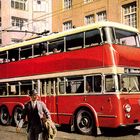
<point>75,85</point>
<point>6,60</point>
<point>44,53</point>
<point>123,87</point>
<point>88,87</point>
<point>56,51</point>
<point>13,59</point>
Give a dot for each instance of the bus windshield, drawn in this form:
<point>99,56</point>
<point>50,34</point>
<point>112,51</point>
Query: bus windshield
<point>126,37</point>
<point>121,36</point>
<point>130,83</point>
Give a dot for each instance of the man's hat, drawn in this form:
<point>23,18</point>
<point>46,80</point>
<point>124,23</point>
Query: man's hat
<point>33,92</point>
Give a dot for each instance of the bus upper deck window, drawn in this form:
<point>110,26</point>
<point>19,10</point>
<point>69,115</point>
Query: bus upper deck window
<point>25,52</point>
<point>92,38</point>
<point>3,57</point>
<point>37,49</point>
<point>13,55</point>
<point>75,41</point>
<point>126,37</point>
<point>56,46</point>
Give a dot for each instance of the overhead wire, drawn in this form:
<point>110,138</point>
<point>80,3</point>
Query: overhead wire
<point>47,15</point>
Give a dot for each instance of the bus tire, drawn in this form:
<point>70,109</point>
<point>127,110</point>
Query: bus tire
<point>17,114</point>
<point>84,122</point>
<point>4,115</point>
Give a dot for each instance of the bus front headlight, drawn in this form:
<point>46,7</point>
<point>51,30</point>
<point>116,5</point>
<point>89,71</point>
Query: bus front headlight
<point>127,116</point>
<point>127,108</point>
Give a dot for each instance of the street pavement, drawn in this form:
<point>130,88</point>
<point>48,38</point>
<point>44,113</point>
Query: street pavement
<point>9,133</point>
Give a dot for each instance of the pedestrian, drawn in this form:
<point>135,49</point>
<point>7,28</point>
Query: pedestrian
<point>34,111</point>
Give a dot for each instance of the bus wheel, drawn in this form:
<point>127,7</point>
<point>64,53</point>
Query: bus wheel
<point>4,115</point>
<point>17,115</point>
<point>84,122</point>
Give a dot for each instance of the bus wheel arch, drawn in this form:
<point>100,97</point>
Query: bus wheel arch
<point>16,114</point>
<point>4,115</point>
<point>85,120</point>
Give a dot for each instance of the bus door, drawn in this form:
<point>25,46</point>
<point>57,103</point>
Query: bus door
<point>70,95</point>
<point>48,95</point>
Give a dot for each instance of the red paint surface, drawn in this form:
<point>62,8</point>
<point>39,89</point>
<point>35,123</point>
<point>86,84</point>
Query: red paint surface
<point>109,108</point>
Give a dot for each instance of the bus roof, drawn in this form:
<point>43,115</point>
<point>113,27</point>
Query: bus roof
<point>69,32</point>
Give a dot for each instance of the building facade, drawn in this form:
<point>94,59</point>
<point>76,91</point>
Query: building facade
<point>73,13</point>
<point>21,19</point>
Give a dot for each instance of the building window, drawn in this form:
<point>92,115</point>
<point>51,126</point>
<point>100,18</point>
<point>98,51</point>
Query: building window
<point>87,1</point>
<point>129,14</point>
<point>39,5</point>
<point>101,16</point>
<point>67,25</point>
<point>67,4</point>
<point>19,23</point>
<point>19,4</point>
<point>89,19</point>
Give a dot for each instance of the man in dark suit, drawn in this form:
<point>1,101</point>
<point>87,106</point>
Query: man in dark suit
<point>34,111</point>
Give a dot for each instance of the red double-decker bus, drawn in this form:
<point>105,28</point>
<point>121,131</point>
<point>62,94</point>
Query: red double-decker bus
<point>89,77</point>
